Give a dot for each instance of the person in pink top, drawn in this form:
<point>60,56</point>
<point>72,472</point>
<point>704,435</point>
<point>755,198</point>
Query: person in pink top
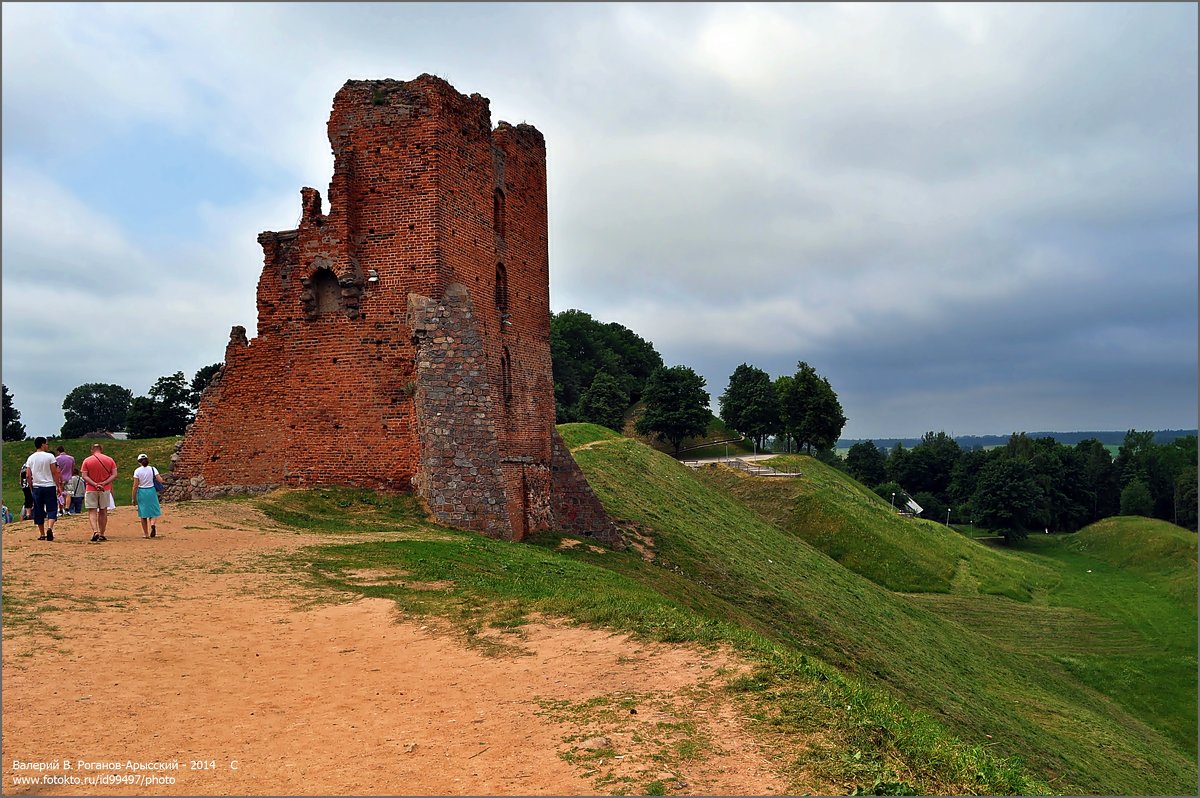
<point>98,472</point>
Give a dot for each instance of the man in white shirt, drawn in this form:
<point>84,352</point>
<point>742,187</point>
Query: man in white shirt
<point>47,482</point>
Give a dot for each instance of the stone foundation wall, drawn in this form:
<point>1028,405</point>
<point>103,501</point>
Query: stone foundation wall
<point>574,503</point>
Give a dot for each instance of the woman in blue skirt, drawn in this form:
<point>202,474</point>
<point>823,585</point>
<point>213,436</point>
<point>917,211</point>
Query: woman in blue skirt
<point>145,496</point>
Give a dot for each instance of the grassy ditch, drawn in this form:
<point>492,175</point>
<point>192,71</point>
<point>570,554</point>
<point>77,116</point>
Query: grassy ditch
<point>851,524</point>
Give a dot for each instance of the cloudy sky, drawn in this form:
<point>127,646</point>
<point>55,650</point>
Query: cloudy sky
<point>971,218</point>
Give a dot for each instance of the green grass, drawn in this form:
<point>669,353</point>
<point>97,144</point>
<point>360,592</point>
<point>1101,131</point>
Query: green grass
<point>486,584</point>
<point>907,657</point>
<point>575,435</point>
<point>1026,703</point>
<point>15,453</point>
<point>851,524</point>
<point>345,511</point>
<point>717,431</point>
<point>901,693</point>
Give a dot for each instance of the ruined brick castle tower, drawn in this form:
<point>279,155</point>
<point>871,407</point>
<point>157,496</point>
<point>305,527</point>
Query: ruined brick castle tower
<point>404,336</point>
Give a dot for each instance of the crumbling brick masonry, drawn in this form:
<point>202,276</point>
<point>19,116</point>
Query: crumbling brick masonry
<point>404,337</point>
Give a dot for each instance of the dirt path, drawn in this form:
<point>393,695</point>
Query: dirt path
<point>189,664</point>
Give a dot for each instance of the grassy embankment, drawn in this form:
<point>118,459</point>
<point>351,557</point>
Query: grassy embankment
<point>124,452</point>
<point>889,692</point>
<point>1114,605</point>
<point>691,448</point>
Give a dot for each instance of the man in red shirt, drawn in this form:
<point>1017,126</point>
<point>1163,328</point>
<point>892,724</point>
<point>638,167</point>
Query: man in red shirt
<point>98,472</point>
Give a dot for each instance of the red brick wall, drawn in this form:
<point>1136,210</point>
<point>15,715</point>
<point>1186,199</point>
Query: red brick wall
<point>332,391</point>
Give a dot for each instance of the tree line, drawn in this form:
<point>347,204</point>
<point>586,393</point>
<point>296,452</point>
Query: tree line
<point>94,407</point>
<point>1035,483</point>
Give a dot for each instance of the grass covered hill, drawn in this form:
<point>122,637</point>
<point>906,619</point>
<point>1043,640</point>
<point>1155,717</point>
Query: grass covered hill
<point>1025,702</point>
<point>866,687</point>
<point>834,513</point>
<point>1111,608</point>
<point>15,453</point>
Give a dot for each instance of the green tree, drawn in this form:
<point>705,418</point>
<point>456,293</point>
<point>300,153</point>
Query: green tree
<point>142,420</point>
<point>14,430</point>
<point>1178,458</point>
<point>892,493</point>
<point>95,407</point>
<point>932,465</point>
<point>1136,499</point>
<point>783,387</point>
<point>199,382</point>
<point>604,402</point>
<point>1185,498</point>
<point>827,419</point>
<point>167,410</point>
<point>1058,473</point>
<point>897,463</point>
<point>809,409</point>
<point>932,507</point>
<point>1099,481</point>
<point>676,406</point>
<point>750,404</point>
<point>581,348</point>
<point>1141,459</point>
<point>965,475</point>
<point>1007,497</point>
<point>867,463</point>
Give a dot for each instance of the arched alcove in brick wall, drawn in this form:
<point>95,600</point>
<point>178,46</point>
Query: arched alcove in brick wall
<point>506,376</point>
<point>498,211</point>
<point>501,290</point>
<point>326,291</point>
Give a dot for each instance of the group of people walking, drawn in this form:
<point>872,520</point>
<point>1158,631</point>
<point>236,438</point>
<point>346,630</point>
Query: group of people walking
<point>51,485</point>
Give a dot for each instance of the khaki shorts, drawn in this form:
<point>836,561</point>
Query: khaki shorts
<point>96,499</point>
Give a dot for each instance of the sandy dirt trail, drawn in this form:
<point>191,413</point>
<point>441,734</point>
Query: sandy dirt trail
<point>199,658</point>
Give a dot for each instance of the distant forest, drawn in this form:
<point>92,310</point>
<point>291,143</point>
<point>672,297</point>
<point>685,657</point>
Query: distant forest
<point>968,442</point>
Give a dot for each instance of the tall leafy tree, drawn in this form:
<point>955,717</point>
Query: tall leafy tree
<point>14,430</point>
<point>1186,497</point>
<point>582,347</point>
<point>964,477</point>
<point>676,406</point>
<point>604,402</point>
<point>199,382</point>
<point>1007,497</point>
<point>95,407</point>
<point>167,409</point>
<point>1099,481</point>
<point>809,409</point>
<point>897,463</point>
<point>1136,499</point>
<point>1158,467</point>
<point>826,418</point>
<point>931,465</point>
<point>1178,458</point>
<point>867,463</point>
<point>783,388</point>
<point>750,404</point>
<point>892,493</point>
